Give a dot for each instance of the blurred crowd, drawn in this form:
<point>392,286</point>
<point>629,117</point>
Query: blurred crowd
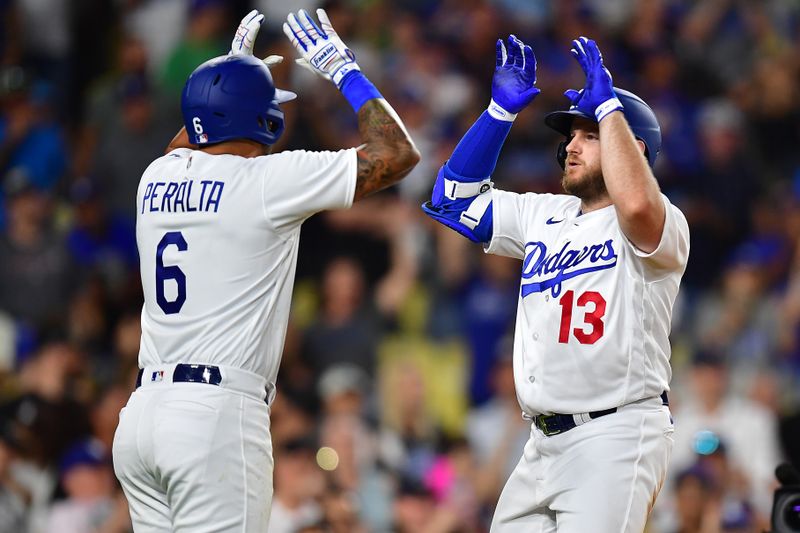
<point>396,409</point>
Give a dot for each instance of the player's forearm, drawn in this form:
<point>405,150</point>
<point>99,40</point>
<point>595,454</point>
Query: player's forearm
<point>476,154</point>
<point>630,183</point>
<point>388,153</point>
<point>181,140</point>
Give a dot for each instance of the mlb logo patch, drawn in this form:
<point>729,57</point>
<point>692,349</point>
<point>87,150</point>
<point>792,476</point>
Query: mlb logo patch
<point>157,376</point>
<point>202,138</point>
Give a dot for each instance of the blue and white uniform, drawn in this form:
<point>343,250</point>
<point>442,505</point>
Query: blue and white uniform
<point>592,334</point>
<point>594,312</point>
<point>218,238</point>
<point>591,343</point>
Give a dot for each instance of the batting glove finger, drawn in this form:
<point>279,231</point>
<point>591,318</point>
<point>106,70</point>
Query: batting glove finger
<point>297,33</point>
<point>510,52</point>
<point>310,27</point>
<point>295,21</point>
<point>272,60</point>
<point>530,63</point>
<point>515,48</point>
<point>502,55</point>
<point>579,53</point>
<point>573,95</point>
<point>592,50</point>
<point>325,23</point>
<point>306,65</point>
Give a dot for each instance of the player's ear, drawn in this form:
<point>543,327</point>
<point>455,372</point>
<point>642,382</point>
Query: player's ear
<point>642,146</point>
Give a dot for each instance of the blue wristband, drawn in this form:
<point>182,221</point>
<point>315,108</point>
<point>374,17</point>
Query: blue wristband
<point>358,89</point>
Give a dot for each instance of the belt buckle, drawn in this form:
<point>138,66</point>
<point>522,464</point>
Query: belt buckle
<point>542,424</point>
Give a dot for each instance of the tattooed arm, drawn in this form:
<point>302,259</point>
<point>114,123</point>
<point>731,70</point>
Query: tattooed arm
<point>388,153</point>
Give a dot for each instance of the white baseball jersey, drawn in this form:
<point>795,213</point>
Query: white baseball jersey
<point>594,312</point>
<point>218,238</point>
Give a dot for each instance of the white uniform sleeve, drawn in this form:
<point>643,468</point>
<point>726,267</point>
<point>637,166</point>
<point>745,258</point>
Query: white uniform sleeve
<point>508,236</point>
<point>299,183</point>
<point>673,249</point>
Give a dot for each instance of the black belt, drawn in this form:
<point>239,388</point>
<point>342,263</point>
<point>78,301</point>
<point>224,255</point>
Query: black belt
<point>557,423</point>
<point>185,373</point>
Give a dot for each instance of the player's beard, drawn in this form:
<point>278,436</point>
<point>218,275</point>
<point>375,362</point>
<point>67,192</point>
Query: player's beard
<point>588,187</point>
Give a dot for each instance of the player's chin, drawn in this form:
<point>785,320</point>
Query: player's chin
<point>572,177</point>
<point>584,183</point>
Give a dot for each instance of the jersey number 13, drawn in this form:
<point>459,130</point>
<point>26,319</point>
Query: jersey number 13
<point>593,320</point>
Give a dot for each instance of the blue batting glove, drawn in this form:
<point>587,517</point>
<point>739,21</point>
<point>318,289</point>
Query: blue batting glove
<point>597,98</point>
<point>513,84</point>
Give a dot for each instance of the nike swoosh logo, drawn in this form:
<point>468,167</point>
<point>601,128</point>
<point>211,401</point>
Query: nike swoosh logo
<point>551,221</point>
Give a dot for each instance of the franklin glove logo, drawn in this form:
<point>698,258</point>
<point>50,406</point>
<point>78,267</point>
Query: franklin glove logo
<point>324,57</point>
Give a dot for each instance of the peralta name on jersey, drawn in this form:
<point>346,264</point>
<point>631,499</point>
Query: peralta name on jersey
<point>186,196</point>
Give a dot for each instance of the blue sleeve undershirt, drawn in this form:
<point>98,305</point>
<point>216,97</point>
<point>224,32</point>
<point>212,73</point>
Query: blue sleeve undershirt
<point>476,154</point>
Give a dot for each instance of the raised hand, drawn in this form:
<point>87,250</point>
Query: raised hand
<point>320,47</point>
<point>597,98</point>
<point>246,34</point>
<point>245,39</point>
<point>514,81</point>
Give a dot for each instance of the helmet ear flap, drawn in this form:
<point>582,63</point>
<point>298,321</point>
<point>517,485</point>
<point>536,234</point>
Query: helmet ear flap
<point>561,154</point>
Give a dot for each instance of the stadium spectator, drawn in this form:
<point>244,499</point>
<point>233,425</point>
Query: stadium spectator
<point>85,472</point>
<point>207,23</point>
<point>139,130</point>
<point>299,483</point>
<point>36,274</point>
<point>30,139</point>
<point>748,430</point>
<point>496,431</point>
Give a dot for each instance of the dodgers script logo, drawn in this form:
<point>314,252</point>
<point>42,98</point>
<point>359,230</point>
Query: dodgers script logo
<point>552,270</point>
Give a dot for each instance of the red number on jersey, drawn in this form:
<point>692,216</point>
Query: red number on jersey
<point>566,317</point>
<point>592,318</point>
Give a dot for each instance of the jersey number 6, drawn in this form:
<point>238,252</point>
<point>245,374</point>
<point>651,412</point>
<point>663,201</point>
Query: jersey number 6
<point>593,318</point>
<point>164,273</point>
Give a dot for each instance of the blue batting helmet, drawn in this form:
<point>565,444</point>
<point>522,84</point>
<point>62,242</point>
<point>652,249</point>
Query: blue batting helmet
<point>640,117</point>
<point>233,97</point>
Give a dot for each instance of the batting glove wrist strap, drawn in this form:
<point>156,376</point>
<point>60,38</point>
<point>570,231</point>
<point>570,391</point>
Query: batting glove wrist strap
<point>496,111</point>
<point>342,71</point>
<point>607,107</point>
<point>358,89</point>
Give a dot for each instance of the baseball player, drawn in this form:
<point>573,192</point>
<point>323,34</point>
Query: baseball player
<point>601,266</point>
<point>218,223</point>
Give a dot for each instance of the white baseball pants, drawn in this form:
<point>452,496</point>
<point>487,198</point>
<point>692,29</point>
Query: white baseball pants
<point>194,457</point>
<point>602,476</point>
